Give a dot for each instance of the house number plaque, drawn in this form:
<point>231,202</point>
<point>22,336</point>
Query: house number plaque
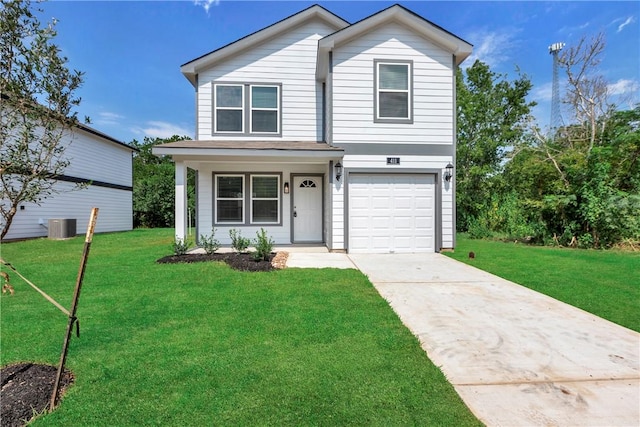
<point>393,160</point>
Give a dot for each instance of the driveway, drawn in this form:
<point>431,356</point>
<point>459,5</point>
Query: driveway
<point>515,356</point>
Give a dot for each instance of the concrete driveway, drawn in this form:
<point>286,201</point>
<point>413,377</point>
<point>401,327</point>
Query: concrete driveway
<point>515,356</point>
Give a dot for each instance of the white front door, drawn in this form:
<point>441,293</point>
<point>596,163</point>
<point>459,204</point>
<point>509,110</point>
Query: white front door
<point>307,209</point>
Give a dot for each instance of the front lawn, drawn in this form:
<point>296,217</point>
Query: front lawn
<point>605,283</point>
<point>201,344</point>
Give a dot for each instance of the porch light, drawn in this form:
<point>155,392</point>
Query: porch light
<point>286,188</point>
<point>448,174</point>
<point>338,168</point>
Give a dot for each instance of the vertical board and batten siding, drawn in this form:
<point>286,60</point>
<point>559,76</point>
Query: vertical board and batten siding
<point>290,60</point>
<point>281,233</point>
<point>353,89</point>
<point>91,158</point>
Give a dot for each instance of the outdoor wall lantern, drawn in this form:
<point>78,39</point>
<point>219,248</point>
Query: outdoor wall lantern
<point>448,174</point>
<point>286,188</point>
<point>338,168</point>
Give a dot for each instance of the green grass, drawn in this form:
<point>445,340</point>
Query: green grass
<point>605,283</point>
<point>201,344</point>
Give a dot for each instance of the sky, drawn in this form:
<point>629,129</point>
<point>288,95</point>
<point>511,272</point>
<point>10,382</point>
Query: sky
<point>131,51</point>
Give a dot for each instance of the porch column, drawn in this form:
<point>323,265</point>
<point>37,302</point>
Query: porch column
<point>181,200</point>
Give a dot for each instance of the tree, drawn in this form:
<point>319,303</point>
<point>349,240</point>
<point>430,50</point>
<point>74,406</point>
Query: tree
<point>154,185</point>
<point>36,102</point>
<point>585,178</point>
<point>491,117</point>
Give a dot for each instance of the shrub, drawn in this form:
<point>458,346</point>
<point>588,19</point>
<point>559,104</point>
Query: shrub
<point>238,243</point>
<point>263,244</point>
<point>209,243</point>
<point>180,246</point>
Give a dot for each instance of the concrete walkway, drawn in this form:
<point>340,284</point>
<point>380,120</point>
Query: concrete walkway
<point>515,356</point>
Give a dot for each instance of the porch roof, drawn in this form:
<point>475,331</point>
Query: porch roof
<point>316,149</point>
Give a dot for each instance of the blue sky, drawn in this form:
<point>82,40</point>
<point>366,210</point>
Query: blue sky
<point>131,51</point>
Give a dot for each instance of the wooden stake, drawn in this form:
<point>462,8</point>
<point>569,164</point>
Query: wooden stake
<point>74,305</point>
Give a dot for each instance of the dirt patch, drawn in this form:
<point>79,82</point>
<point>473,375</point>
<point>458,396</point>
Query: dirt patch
<point>26,391</point>
<point>242,261</point>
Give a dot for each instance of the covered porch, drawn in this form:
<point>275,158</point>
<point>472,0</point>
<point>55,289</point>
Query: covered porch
<point>284,187</point>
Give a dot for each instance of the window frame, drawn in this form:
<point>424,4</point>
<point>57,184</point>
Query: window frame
<point>247,110</point>
<point>247,198</point>
<point>377,90</point>
<point>252,108</point>
<point>252,198</point>
<point>216,108</point>
<point>216,198</point>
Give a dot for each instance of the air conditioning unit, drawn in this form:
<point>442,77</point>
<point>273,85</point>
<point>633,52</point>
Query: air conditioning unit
<point>62,228</point>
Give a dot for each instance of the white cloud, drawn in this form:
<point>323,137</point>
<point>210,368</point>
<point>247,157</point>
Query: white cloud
<point>630,20</point>
<point>159,129</point>
<point>542,92</point>
<point>206,4</point>
<point>492,47</point>
<point>108,118</point>
<point>624,87</point>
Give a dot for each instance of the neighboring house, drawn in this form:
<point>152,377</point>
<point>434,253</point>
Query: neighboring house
<point>321,131</point>
<point>101,162</point>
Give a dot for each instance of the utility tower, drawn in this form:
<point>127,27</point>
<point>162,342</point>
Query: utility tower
<point>556,117</point>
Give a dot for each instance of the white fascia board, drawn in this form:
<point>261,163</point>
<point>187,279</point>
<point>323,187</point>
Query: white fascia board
<point>203,153</point>
<point>191,69</point>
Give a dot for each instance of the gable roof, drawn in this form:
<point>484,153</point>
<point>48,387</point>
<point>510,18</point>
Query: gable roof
<point>192,68</point>
<point>458,47</point>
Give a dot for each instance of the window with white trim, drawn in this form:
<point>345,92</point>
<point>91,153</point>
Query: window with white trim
<point>229,199</point>
<point>393,91</point>
<point>265,199</point>
<point>247,109</point>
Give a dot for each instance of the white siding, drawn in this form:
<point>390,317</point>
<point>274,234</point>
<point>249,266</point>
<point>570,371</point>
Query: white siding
<point>290,60</point>
<point>281,234</point>
<point>353,89</point>
<point>115,211</point>
<point>91,158</point>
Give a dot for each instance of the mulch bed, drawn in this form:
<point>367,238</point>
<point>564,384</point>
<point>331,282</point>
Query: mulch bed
<point>242,261</point>
<point>26,391</point>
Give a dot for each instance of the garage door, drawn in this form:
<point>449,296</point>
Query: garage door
<point>391,213</point>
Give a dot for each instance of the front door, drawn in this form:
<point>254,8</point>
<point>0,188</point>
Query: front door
<point>307,209</point>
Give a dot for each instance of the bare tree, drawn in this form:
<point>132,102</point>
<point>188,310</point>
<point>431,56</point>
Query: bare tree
<point>586,92</point>
<point>36,102</point>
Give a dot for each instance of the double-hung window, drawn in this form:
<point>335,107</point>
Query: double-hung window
<point>393,91</point>
<point>247,109</point>
<point>229,105</point>
<point>229,199</point>
<point>260,192</point>
<point>265,200</point>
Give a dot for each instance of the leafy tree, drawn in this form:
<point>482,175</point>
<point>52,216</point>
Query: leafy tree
<point>36,102</point>
<point>491,117</point>
<point>154,185</point>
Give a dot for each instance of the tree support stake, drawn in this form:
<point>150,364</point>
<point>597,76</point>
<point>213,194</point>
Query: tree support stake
<point>74,306</point>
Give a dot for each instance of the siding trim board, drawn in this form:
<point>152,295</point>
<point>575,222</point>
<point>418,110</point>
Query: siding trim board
<point>77,180</point>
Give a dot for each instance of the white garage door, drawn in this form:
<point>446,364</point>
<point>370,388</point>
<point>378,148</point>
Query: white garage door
<point>391,213</point>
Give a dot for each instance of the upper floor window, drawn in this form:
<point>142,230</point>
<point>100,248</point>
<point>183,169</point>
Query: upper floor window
<point>247,109</point>
<point>393,91</point>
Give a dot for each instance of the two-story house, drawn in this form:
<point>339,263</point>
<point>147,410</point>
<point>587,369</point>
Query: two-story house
<point>322,131</point>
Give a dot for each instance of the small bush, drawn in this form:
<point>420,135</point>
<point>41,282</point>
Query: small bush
<point>180,246</point>
<point>209,243</point>
<point>263,244</point>
<point>238,243</point>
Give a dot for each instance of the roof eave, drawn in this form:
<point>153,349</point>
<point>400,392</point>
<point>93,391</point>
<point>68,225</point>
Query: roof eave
<point>458,47</point>
<point>191,68</point>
